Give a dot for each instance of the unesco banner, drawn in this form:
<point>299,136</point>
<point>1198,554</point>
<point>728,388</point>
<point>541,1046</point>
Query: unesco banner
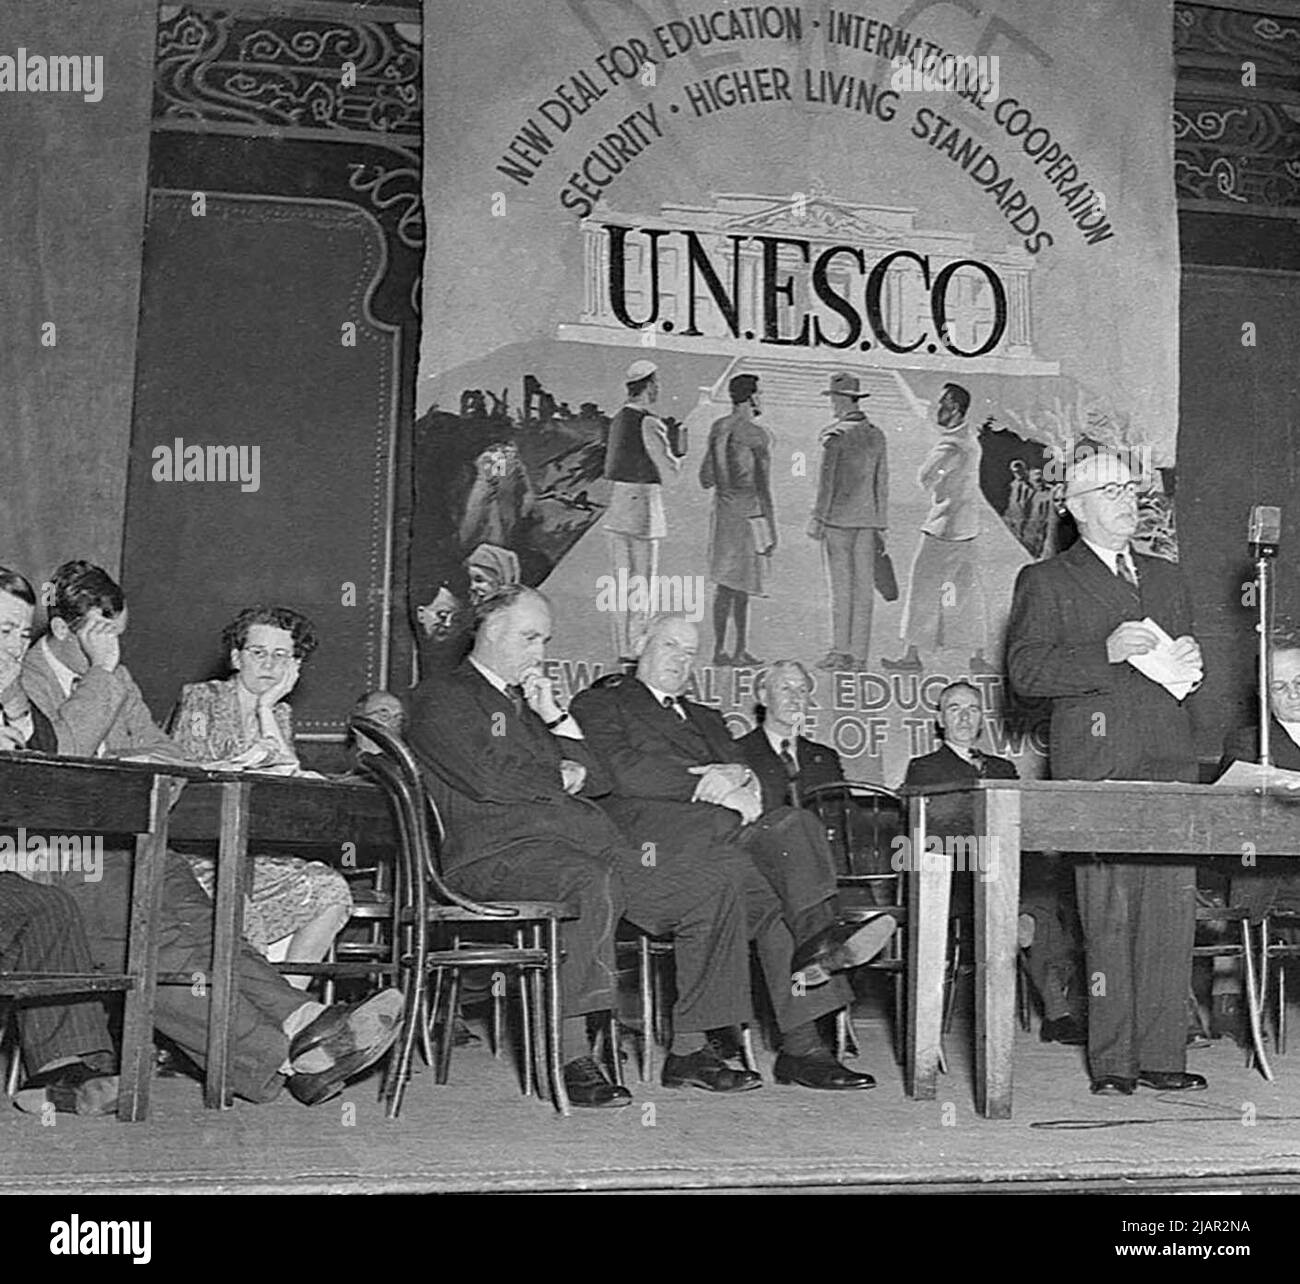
<point>786,316</point>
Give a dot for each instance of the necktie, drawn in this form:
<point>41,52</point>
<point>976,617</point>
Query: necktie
<point>1124,569</point>
<point>673,703</point>
<point>977,761</point>
<point>791,771</point>
<point>516,694</point>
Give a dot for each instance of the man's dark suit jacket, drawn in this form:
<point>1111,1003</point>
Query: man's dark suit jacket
<point>495,774</point>
<point>954,813</point>
<point>648,750</point>
<point>818,765</point>
<point>1257,889</point>
<point>1109,722</point>
<point>1242,745</point>
<point>943,767</point>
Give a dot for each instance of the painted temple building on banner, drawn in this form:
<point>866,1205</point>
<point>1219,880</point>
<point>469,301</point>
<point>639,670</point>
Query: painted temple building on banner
<point>864,236</point>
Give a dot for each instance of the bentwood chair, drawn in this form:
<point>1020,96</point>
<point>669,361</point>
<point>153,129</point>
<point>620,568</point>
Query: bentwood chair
<point>653,956</point>
<point>427,905</point>
<point>862,821</point>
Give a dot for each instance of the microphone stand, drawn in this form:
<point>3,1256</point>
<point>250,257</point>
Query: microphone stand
<point>1264,554</point>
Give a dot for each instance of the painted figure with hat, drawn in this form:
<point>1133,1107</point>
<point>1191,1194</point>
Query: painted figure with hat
<point>737,467</point>
<point>636,453</point>
<point>850,517</point>
<point>945,609</point>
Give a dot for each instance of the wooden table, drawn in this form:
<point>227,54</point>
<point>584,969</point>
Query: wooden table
<point>1111,818</point>
<point>53,797</point>
<point>328,820</point>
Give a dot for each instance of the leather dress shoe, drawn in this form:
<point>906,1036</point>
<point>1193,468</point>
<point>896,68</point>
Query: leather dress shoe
<point>1068,1029</point>
<point>838,947</point>
<point>73,1089</point>
<point>587,1086</point>
<point>819,1071</point>
<point>705,1069</point>
<point>1171,1080</point>
<point>1113,1085</point>
<point>351,1037</point>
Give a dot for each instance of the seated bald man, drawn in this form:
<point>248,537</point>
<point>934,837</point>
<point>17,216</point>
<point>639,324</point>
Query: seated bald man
<point>681,782</point>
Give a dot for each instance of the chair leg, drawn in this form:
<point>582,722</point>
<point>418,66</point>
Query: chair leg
<point>1252,1003</point>
<point>538,987</point>
<point>13,1072</point>
<point>498,1015</point>
<point>398,1071</point>
<point>432,1006</point>
<point>612,1046</point>
<point>448,1039</point>
<point>526,1035</point>
<point>648,1015</point>
<point>1281,1007</point>
<point>747,1049</point>
<point>558,1093</point>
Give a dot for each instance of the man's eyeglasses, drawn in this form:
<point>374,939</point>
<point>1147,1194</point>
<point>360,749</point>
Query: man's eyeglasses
<point>1285,688</point>
<point>1111,490</point>
<point>260,654</point>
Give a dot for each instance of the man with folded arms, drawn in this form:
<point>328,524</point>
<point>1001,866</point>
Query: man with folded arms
<point>681,782</point>
<point>74,678</point>
<point>514,780</point>
<point>1077,621</point>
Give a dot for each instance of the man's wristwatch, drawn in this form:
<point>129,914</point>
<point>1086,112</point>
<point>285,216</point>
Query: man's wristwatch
<point>555,722</point>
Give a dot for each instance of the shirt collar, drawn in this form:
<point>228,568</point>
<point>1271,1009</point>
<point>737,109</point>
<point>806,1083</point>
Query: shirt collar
<point>966,755</point>
<point>660,696</point>
<point>775,740</point>
<point>1110,557</point>
<point>494,678</point>
<point>1292,729</point>
<point>66,677</point>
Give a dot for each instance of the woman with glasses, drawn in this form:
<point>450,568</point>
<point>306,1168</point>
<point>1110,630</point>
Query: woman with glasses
<point>297,907</point>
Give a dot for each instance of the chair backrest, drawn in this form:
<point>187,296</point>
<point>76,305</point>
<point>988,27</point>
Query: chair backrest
<point>862,821</point>
<point>395,769</point>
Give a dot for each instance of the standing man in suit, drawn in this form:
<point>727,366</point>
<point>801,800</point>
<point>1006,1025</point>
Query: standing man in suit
<point>636,453</point>
<point>680,782</point>
<point>1076,620</point>
<point>1046,913</point>
<point>786,762</point>
<point>849,518</point>
<point>514,778</point>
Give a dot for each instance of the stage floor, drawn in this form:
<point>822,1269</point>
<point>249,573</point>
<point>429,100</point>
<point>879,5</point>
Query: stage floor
<point>479,1134</point>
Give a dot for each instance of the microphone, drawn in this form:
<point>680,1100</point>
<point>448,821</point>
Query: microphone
<point>1264,533</point>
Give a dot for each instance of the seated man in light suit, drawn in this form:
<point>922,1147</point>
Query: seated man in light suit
<point>74,678</point>
<point>1047,911</point>
<point>680,782</point>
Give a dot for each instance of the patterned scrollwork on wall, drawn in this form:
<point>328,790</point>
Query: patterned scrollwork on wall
<point>393,189</point>
<point>339,74</point>
<point>1202,33</point>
